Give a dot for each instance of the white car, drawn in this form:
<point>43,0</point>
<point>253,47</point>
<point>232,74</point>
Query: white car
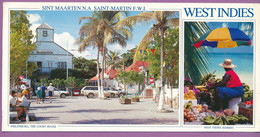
<point>92,91</point>
<point>58,93</point>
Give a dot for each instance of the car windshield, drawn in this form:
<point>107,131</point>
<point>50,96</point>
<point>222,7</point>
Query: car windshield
<point>106,89</point>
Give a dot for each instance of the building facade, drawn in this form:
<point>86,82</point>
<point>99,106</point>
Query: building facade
<point>49,55</point>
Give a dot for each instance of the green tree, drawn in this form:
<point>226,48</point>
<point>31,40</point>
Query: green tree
<point>99,31</point>
<point>58,82</point>
<point>128,58</point>
<point>44,81</point>
<point>86,68</point>
<point>21,45</point>
<point>61,73</point>
<point>164,20</point>
<point>123,76</point>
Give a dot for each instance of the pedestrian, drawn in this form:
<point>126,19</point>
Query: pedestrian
<point>43,88</point>
<point>39,95</point>
<point>51,90</point>
<point>23,102</point>
<point>13,105</point>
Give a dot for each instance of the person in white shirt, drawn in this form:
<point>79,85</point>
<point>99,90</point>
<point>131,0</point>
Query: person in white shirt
<point>13,105</point>
<point>51,90</point>
<point>23,102</point>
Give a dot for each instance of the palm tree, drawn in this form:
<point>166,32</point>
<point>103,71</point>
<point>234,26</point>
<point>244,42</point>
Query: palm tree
<point>164,20</point>
<point>88,37</point>
<point>112,58</point>
<point>102,31</point>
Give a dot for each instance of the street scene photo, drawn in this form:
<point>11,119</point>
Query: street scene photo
<point>218,84</point>
<point>94,67</point>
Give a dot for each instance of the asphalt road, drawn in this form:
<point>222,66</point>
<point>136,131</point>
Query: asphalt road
<point>82,110</point>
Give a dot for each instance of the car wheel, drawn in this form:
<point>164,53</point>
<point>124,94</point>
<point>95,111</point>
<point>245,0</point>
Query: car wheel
<point>62,96</point>
<point>90,95</point>
<point>121,95</point>
<point>112,95</point>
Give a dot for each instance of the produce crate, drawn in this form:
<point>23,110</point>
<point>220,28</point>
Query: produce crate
<point>243,105</point>
<point>247,112</point>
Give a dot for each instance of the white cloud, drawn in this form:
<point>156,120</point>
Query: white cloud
<point>224,25</point>
<point>66,40</point>
<point>117,47</point>
<point>34,18</point>
<point>33,28</point>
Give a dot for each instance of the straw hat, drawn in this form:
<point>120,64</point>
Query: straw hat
<point>227,64</point>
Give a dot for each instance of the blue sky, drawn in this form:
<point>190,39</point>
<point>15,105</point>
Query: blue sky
<point>66,27</point>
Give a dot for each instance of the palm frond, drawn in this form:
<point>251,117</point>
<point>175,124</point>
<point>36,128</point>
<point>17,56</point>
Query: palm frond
<point>133,20</point>
<point>173,22</point>
<point>87,18</point>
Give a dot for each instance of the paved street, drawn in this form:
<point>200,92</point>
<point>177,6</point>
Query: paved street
<point>82,110</point>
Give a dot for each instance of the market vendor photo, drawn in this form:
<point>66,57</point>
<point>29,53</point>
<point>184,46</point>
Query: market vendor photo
<point>218,71</point>
<point>229,87</point>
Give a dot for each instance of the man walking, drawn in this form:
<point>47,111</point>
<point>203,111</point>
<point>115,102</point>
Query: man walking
<point>43,88</point>
<point>51,90</point>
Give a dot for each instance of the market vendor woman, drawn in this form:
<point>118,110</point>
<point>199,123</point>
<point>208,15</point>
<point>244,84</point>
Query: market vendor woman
<point>229,87</point>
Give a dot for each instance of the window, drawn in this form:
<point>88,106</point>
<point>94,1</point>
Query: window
<point>44,34</point>
<point>49,64</point>
<point>62,65</point>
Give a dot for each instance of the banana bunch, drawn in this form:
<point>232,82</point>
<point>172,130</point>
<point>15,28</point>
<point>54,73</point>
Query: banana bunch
<point>207,78</point>
<point>223,120</point>
<point>232,120</point>
<point>209,120</point>
<point>188,105</point>
<point>241,119</point>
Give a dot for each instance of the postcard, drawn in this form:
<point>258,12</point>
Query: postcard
<point>114,67</point>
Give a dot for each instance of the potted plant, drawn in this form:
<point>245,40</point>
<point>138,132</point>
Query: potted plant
<point>135,99</point>
<point>124,100</point>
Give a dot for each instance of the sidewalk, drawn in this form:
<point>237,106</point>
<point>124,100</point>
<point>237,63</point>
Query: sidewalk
<point>82,110</point>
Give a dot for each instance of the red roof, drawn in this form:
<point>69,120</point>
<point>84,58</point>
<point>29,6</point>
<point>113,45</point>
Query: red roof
<point>110,72</point>
<point>137,65</point>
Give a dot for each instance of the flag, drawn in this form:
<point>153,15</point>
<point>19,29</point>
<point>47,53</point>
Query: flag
<point>153,50</point>
<point>147,51</point>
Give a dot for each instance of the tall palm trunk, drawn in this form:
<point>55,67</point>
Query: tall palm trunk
<point>98,73</point>
<point>161,99</point>
<point>102,77</point>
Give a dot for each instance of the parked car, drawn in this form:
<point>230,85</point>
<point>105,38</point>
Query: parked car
<point>116,92</point>
<point>92,91</point>
<point>58,93</point>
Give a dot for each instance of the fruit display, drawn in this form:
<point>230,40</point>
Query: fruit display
<point>225,120</point>
<point>188,105</point>
<point>190,95</point>
<point>248,96</point>
<point>201,105</point>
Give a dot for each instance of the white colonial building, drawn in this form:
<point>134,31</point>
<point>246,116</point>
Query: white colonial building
<point>49,55</point>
